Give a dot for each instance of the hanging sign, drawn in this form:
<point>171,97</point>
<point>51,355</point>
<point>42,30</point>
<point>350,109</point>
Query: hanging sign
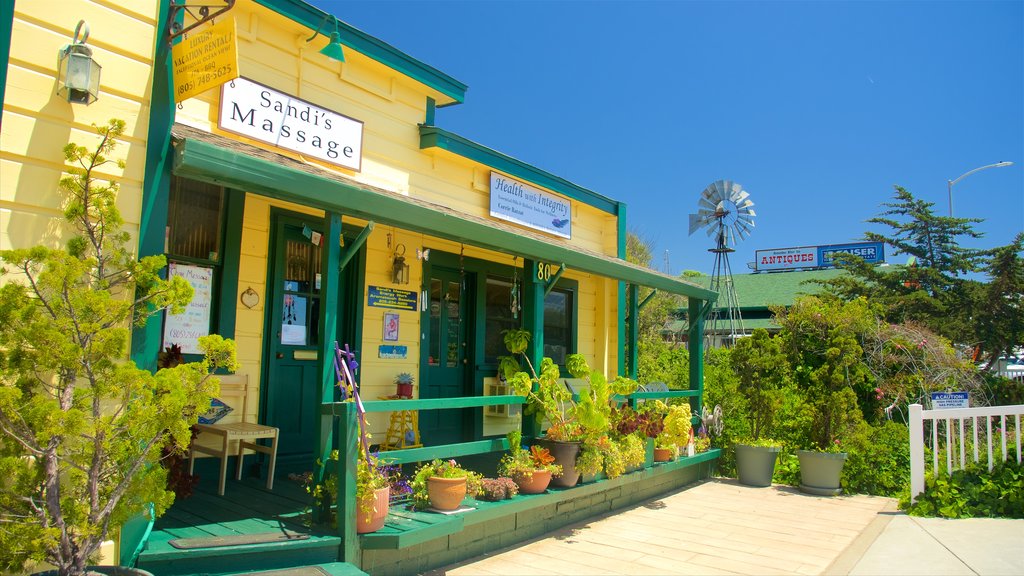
<point>185,329</point>
<point>950,400</point>
<point>256,111</point>
<point>518,202</point>
<point>205,60</point>
<point>385,297</point>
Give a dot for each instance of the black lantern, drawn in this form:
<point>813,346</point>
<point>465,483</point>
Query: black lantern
<point>78,75</point>
<point>399,269</point>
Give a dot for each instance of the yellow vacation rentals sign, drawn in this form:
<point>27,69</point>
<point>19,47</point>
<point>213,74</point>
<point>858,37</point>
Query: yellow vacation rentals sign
<point>204,60</point>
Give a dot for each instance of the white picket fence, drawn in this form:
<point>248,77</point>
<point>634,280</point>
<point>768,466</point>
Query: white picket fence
<point>952,429</point>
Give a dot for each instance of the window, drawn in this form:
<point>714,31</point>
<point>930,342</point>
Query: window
<point>559,321</point>
<point>558,325</point>
<point>498,316</point>
<point>194,220</point>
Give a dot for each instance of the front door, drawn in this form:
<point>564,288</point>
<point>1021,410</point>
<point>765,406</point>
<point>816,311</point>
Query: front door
<point>446,356</point>
<point>293,377</point>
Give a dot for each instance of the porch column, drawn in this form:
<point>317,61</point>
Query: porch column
<point>696,348</point>
<point>330,255</point>
<point>633,328</point>
<point>533,322</point>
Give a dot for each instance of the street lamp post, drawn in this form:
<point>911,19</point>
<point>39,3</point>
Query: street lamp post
<point>968,173</point>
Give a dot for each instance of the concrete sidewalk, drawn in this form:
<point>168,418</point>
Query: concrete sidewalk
<point>721,527</point>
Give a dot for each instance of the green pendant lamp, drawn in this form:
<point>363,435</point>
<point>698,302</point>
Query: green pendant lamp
<point>333,49</point>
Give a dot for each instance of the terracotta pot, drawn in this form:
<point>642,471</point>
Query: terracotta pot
<point>662,455</point>
<point>405,389</point>
<point>446,493</point>
<point>565,455</point>
<point>535,484</point>
<point>373,520</point>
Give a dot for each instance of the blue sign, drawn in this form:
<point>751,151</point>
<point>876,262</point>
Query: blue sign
<point>947,400</point>
<point>393,352</point>
<point>871,252</point>
<point>384,297</point>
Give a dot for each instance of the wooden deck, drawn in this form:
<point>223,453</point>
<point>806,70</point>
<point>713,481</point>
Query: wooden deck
<point>247,508</point>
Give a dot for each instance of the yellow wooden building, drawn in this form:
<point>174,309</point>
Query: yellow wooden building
<point>313,200</point>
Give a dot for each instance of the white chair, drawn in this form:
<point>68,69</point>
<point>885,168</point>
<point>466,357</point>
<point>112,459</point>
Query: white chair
<point>246,433</point>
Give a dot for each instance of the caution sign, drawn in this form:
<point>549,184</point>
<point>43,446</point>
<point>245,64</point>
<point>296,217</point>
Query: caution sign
<point>204,60</point>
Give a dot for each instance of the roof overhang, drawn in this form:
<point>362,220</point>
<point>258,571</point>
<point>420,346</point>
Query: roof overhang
<point>216,159</point>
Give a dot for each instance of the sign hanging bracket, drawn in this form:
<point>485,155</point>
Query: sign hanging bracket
<point>202,10</point>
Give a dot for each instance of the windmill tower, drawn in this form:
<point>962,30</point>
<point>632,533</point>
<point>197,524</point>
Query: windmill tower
<point>725,212</point>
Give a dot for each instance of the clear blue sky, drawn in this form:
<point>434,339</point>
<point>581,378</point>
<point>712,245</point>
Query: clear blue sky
<point>816,108</point>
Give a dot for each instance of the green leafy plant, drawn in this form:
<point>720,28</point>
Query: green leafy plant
<point>441,469</point>
<point>81,429</point>
<point>973,493</point>
<point>520,463</point>
<point>676,432</point>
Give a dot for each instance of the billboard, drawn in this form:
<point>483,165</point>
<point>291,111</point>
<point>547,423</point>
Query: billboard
<point>801,257</point>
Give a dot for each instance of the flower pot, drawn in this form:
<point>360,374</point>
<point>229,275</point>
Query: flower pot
<point>820,472</point>
<point>373,519</point>
<point>535,484</point>
<point>565,456</point>
<point>662,455</point>
<point>755,465</point>
<point>405,389</point>
<point>446,493</point>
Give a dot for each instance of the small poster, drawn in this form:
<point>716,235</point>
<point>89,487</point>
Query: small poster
<point>185,329</point>
<point>390,327</point>
<point>386,297</point>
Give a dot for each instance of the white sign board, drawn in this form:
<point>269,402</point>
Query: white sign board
<point>786,258</point>
<point>185,329</point>
<point>261,113</point>
<point>518,202</point>
<point>948,400</point>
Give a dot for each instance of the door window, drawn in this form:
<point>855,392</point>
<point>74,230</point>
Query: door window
<point>300,305</point>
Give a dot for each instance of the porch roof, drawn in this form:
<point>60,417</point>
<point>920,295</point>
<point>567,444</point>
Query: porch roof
<point>213,158</point>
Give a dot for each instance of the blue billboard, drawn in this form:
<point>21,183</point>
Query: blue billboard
<point>871,252</point>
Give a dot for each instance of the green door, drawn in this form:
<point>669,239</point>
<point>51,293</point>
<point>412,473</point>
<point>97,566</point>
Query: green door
<point>292,381</point>
<point>446,357</point>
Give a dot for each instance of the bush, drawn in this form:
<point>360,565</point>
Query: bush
<point>878,460</point>
<point>973,493</point>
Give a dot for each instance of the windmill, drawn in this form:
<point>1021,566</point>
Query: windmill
<point>725,211</point>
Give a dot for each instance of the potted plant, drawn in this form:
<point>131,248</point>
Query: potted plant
<point>442,485</point>
<point>82,428</point>
<point>763,370</point>
<point>531,469</point>
<point>404,382</point>
<point>675,433</point>
<point>497,489</point>
<point>627,435</point>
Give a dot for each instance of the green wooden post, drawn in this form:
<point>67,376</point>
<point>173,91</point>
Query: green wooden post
<point>623,235</point>
<point>634,330</point>
<point>348,453</point>
<point>330,256</point>
<point>696,349</point>
<point>533,322</point>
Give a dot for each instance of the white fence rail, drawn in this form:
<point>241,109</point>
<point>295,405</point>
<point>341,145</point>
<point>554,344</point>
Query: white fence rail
<point>955,430</point>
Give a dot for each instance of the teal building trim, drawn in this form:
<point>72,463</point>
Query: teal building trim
<point>6,26</point>
<point>434,137</point>
<point>313,17</point>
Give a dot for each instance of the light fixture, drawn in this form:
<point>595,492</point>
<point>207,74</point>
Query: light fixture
<point>399,269</point>
<point>78,76</point>
<point>333,49</point>
<point>968,173</point>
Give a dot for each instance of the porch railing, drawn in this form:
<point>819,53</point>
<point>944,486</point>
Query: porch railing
<point>955,430</point>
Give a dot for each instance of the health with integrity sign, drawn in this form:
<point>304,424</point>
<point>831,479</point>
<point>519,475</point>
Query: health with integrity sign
<point>264,114</point>
<point>518,202</point>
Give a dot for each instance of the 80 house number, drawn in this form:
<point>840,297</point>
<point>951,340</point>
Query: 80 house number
<point>543,271</point>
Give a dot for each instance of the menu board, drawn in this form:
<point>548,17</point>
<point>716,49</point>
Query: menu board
<point>185,329</point>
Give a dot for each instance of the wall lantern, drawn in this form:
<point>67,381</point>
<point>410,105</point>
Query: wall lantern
<point>333,49</point>
<point>78,75</point>
<point>399,269</point>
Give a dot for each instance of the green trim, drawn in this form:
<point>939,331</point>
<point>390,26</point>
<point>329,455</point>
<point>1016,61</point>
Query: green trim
<point>372,406</point>
<point>231,257</point>
<point>157,182</point>
<point>356,245</point>
<point>312,18</point>
<point>410,455</point>
<point>554,279</point>
<point>622,236</point>
<point>428,118</point>
<point>434,137</point>
<point>695,346</point>
<point>200,159</point>
<point>634,330</point>
<point>6,26</point>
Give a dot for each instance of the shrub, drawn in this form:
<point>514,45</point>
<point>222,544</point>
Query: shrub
<point>973,492</point>
<point>878,460</point>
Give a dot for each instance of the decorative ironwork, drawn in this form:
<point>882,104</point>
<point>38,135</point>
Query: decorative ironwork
<point>201,10</point>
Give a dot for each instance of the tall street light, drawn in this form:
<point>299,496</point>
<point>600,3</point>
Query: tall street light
<point>968,173</point>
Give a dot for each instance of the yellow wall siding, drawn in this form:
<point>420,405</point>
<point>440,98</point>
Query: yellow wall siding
<point>37,123</point>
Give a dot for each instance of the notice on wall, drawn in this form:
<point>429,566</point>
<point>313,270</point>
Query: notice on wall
<point>205,59</point>
<point>185,329</point>
<point>518,202</point>
<point>950,400</point>
<point>384,297</point>
<point>262,113</point>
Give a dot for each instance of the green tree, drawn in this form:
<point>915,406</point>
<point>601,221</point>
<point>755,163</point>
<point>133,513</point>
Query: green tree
<point>81,429</point>
<point>658,360</point>
<point>764,372</point>
<point>1000,317</point>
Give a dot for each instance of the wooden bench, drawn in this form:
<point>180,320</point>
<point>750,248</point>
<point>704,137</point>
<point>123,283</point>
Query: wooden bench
<point>245,433</point>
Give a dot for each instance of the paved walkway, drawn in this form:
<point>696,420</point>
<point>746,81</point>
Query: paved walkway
<point>721,527</point>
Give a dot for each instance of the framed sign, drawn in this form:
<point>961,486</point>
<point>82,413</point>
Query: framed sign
<point>518,202</point>
<point>185,329</point>
<point>390,327</point>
